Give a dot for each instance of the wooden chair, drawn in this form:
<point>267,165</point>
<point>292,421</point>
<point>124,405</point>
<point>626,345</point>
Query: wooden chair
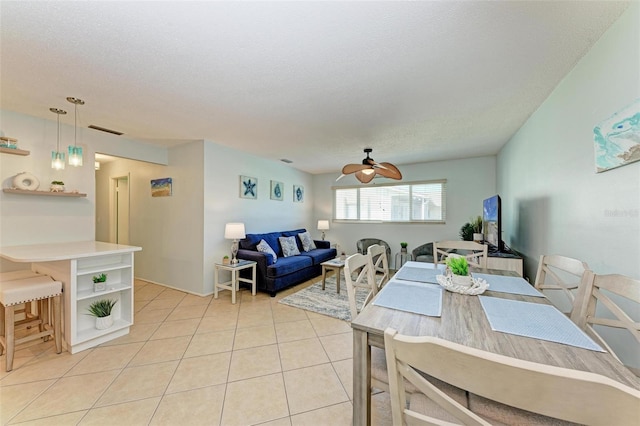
<point>553,274</point>
<point>358,265</point>
<point>379,265</point>
<point>591,295</point>
<point>475,253</point>
<point>587,398</point>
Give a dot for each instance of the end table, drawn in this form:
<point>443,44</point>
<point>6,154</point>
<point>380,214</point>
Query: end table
<point>235,278</point>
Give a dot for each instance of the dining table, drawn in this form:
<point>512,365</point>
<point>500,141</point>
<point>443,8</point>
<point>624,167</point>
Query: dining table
<point>462,319</point>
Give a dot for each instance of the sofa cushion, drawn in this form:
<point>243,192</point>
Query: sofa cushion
<point>251,241</point>
<point>287,265</point>
<point>320,255</point>
<point>289,246</point>
<point>307,241</point>
<point>264,247</point>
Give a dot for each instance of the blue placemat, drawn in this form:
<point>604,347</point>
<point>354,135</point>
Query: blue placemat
<point>505,284</point>
<point>411,297</point>
<point>534,320</point>
<point>423,275</point>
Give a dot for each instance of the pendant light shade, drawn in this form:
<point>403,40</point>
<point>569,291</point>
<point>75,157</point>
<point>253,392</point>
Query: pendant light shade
<point>75,151</point>
<point>57,157</point>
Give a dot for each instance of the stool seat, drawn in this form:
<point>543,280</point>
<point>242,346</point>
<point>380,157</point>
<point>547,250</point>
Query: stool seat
<point>18,275</point>
<point>28,289</point>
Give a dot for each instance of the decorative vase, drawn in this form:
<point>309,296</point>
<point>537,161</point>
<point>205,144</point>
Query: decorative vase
<point>57,188</point>
<point>461,280</point>
<point>403,250</point>
<point>102,323</point>
<point>99,286</point>
<point>478,237</point>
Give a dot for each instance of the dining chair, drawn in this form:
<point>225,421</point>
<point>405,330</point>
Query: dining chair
<point>594,306</point>
<point>560,275</point>
<point>475,253</point>
<point>379,265</point>
<point>529,389</point>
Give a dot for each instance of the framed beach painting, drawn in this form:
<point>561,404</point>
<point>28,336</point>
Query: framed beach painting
<point>617,139</point>
<point>248,187</point>
<point>277,190</point>
<point>298,193</point>
<point>161,187</point>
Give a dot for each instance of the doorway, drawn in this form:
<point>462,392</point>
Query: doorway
<point>119,212</point>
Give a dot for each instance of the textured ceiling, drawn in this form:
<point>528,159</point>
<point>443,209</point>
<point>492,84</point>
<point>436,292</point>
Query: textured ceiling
<point>314,82</point>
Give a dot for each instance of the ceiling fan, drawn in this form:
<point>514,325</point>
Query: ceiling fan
<point>366,171</point>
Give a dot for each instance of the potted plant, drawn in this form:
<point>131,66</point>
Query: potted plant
<point>459,269</point>
<point>100,282</point>
<point>466,232</point>
<point>101,309</point>
<point>57,186</point>
<point>225,260</point>
<point>403,247</point>
<point>476,224</point>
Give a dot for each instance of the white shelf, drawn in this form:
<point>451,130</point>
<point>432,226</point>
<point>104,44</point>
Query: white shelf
<point>103,268</point>
<point>111,288</point>
<point>14,151</point>
<point>93,333</point>
<point>47,193</point>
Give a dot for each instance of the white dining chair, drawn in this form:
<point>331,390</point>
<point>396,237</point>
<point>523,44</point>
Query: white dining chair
<point>476,254</point>
<point>379,265</point>
<point>357,265</point>
<point>595,307</point>
<point>560,276</point>
<point>530,390</point>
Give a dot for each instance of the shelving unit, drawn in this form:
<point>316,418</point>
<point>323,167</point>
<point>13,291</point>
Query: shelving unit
<point>14,151</point>
<point>48,193</point>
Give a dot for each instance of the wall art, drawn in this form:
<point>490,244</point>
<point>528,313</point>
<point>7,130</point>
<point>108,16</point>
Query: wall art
<point>617,139</point>
<point>248,187</point>
<point>277,190</point>
<point>298,193</point>
<point>161,187</point>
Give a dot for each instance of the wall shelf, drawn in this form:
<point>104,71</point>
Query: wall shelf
<point>14,151</point>
<point>54,194</point>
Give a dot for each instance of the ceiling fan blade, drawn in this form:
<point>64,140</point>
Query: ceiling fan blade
<point>352,168</point>
<point>365,177</point>
<point>388,170</point>
<point>340,177</point>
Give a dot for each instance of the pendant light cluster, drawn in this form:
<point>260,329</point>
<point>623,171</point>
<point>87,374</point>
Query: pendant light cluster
<point>75,151</point>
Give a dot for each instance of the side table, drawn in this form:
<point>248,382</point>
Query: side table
<point>335,265</point>
<point>235,278</point>
<point>401,259</point>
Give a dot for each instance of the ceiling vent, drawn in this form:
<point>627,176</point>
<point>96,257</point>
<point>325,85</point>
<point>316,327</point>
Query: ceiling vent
<point>102,129</point>
<point>284,160</point>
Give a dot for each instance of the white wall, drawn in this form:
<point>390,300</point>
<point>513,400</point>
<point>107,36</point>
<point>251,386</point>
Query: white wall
<point>469,182</point>
<point>553,201</point>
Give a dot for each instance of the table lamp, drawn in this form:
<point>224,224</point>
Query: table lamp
<point>323,225</point>
<point>235,232</point>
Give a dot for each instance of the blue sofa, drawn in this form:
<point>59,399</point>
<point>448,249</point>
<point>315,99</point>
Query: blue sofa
<point>286,271</point>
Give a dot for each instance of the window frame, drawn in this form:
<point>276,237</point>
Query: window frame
<point>442,221</point>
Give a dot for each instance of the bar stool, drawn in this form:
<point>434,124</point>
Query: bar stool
<point>13,293</point>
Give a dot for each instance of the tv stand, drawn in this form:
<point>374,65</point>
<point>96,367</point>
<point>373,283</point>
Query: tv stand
<point>506,260</point>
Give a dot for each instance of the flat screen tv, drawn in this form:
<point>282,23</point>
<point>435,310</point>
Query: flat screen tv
<point>492,222</point>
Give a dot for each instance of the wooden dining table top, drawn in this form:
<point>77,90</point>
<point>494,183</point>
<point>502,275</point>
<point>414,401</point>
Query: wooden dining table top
<point>463,321</point>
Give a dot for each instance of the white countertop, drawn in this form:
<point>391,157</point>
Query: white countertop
<point>62,251</point>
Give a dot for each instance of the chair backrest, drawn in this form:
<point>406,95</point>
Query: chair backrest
<point>560,274</point>
<point>475,253</point>
<point>587,398</point>
<point>363,245</point>
<point>358,264</point>
<point>423,253</point>
<point>591,295</point>
<point>379,265</point>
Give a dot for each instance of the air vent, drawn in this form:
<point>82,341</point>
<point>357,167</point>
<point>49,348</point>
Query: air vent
<point>284,160</point>
<point>102,129</point>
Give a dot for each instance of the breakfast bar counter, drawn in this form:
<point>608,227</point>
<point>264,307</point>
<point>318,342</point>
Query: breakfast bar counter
<point>75,264</point>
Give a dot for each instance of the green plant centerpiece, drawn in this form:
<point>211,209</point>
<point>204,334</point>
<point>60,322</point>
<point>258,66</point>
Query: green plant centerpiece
<point>459,268</point>
<point>99,282</point>
<point>101,309</point>
<point>57,186</point>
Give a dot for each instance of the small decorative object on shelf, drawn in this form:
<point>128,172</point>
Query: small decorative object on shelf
<point>403,247</point>
<point>57,186</point>
<point>99,282</point>
<point>101,309</point>
<point>225,260</point>
<point>6,142</point>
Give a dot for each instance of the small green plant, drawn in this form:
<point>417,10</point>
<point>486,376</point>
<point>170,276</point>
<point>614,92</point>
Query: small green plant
<point>458,265</point>
<point>476,224</point>
<point>57,182</point>
<point>466,232</point>
<point>403,244</point>
<point>100,278</point>
<point>101,308</point>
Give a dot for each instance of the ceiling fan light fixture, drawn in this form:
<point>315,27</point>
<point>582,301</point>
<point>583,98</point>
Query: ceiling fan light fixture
<point>369,168</point>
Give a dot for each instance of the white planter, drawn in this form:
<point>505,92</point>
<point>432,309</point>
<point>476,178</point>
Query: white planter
<point>102,323</point>
<point>461,280</point>
<point>478,238</point>
<point>57,188</point>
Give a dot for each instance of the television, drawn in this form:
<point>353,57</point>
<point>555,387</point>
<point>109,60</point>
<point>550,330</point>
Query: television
<point>492,223</point>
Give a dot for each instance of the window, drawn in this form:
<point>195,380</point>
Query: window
<point>410,202</point>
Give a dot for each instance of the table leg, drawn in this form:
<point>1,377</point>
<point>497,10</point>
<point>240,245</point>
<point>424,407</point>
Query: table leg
<point>337,272</point>
<point>215,282</point>
<point>234,283</point>
<point>324,276</point>
<point>253,280</point>
<point>361,379</point>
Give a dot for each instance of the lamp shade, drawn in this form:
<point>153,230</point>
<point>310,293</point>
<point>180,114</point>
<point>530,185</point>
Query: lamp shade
<point>234,231</point>
<point>323,225</point>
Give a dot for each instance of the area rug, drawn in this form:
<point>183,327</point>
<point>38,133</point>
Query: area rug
<point>326,302</point>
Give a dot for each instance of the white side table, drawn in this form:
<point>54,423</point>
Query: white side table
<point>235,278</point>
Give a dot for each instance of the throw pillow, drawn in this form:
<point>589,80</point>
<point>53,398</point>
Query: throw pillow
<point>264,247</point>
<point>307,241</point>
<point>289,246</point>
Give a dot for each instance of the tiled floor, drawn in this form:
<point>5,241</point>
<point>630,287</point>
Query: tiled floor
<point>194,361</point>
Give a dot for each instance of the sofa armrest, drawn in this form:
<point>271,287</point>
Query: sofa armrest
<point>256,256</point>
<point>322,244</point>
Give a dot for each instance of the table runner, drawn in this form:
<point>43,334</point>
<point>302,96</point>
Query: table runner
<point>423,275</point>
<point>534,320</point>
<point>506,284</point>
<point>424,299</point>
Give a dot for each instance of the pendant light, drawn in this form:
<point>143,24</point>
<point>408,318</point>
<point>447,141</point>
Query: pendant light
<point>75,151</point>
<point>57,157</point>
